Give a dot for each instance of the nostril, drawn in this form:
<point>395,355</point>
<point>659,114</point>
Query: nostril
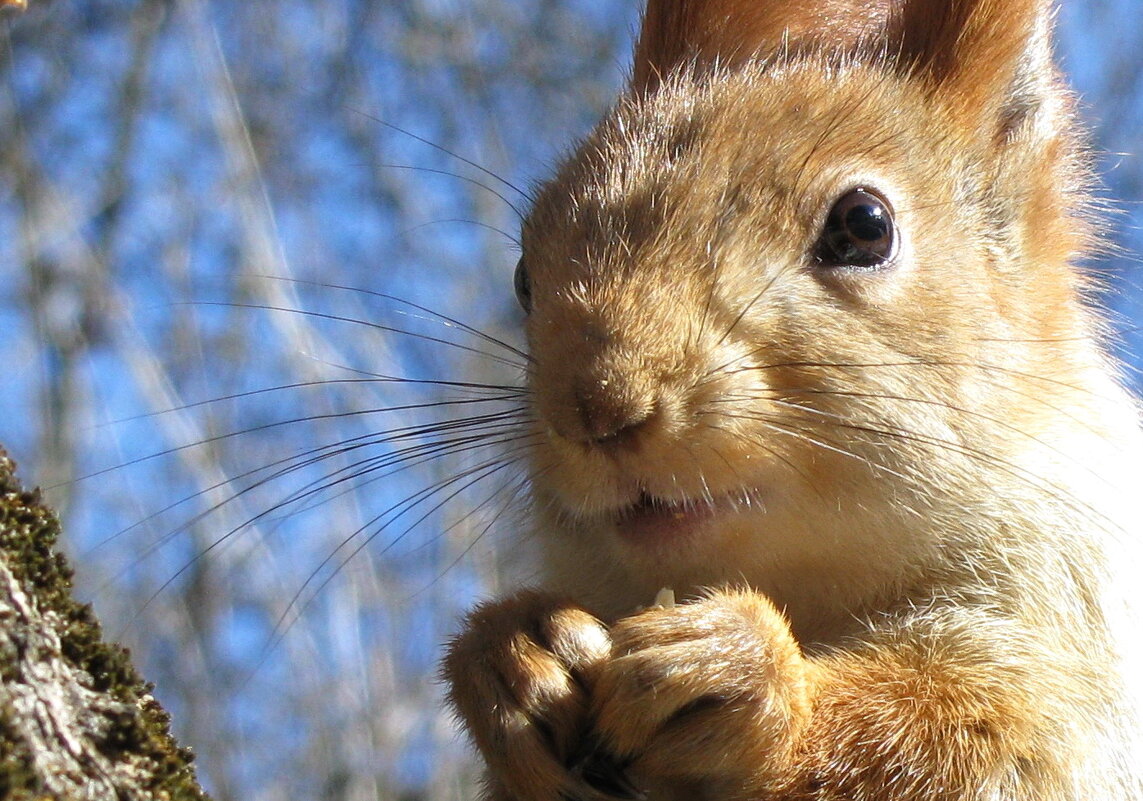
<point>611,415</point>
<point>619,432</point>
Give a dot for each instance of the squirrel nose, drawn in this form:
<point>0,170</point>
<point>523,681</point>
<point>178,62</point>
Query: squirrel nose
<point>612,414</point>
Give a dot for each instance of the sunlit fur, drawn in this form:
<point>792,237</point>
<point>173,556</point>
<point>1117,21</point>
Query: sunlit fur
<point>919,578</point>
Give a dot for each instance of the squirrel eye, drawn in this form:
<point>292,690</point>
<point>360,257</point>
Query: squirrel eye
<point>859,232</point>
<point>523,286</point>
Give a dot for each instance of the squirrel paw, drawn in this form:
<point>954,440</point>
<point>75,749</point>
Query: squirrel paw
<point>520,677</point>
<point>710,691</point>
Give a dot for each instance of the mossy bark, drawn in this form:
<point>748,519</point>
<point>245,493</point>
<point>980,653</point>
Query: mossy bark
<point>76,721</point>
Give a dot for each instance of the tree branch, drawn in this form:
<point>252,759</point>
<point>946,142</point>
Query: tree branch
<point>76,721</point>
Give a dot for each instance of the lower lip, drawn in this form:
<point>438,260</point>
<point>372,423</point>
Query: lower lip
<point>669,524</point>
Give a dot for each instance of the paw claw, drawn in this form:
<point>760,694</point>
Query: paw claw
<point>605,774</point>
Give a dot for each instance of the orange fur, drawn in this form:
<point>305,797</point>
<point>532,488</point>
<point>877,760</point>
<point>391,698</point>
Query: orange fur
<point>731,31</point>
<point>541,672</point>
<point>898,502</point>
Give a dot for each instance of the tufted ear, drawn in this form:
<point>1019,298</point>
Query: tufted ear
<point>990,59</point>
<point>984,56</point>
<point>731,31</point>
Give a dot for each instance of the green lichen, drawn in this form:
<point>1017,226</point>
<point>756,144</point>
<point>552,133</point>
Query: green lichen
<point>140,734</point>
<point>18,779</point>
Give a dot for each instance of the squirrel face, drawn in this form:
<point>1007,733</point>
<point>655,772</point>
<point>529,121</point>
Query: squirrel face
<point>784,293</point>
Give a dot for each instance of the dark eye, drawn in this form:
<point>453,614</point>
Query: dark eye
<point>859,232</point>
<point>523,286</point>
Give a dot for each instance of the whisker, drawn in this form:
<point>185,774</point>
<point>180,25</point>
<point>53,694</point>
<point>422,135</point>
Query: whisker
<point>779,426</point>
<point>746,308</point>
<point>309,418</point>
<point>366,323</point>
<point>444,150</point>
<point>404,460</point>
<point>437,171</point>
<point>952,407</point>
<point>371,378</point>
<point>510,237</point>
<point>521,488</point>
<point>1006,371</point>
<point>468,478</point>
<point>451,321</point>
<point>884,431</point>
<point>413,456</point>
<point>764,446</point>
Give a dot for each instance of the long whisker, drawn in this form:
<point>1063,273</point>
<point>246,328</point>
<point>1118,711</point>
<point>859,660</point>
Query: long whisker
<point>882,430</point>
<point>477,223</point>
<point>1038,398</point>
<point>402,459</point>
<point>785,428</point>
<point>309,418</point>
<point>444,150</point>
<point>340,318</point>
<point>436,171</point>
<point>451,321</point>
<point>521,488</point>
<point>467,479</point>
<point>370,378</point>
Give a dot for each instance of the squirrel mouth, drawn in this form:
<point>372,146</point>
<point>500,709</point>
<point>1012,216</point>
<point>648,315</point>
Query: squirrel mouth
<point>657,520</point>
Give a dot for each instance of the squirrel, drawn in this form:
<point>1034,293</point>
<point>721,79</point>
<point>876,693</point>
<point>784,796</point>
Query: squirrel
<point>811,345</point>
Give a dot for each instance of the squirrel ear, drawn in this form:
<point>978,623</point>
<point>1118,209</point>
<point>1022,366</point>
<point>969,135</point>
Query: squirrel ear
<point>704,32</point>
<point>990,56</point>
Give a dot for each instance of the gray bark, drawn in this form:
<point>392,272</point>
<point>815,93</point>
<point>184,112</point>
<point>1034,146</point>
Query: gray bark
<point>76,720</point>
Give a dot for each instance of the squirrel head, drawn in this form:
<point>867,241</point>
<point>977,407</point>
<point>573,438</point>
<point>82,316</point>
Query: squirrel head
<point>812,254</point>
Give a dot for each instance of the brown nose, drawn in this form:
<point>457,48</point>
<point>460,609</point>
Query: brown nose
<point>611,412</point>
